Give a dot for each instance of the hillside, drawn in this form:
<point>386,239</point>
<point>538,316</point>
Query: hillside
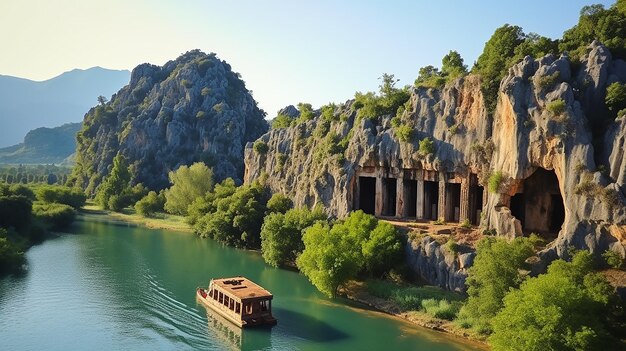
<point>43,146</point>
<point>26,104</point>
<point>194,108</point>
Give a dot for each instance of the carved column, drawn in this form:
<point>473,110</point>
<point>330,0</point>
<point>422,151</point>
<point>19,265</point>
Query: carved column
<point>400,197</point>
<point>465,200</point>
<point>441,211</point>
<point>419,206</point>
<point>380,190</point>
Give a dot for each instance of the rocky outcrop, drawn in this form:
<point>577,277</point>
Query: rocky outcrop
<point>545,125</point>
<point>194,108</point>
<point>437,265</point>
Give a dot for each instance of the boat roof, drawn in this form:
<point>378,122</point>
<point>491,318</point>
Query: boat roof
<point>241,287</point>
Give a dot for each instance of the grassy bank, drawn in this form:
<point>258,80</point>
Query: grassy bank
<point>128,215</point>
<point>425,306</point>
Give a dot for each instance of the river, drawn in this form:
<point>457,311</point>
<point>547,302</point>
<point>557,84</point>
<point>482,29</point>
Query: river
<point>107,286</point>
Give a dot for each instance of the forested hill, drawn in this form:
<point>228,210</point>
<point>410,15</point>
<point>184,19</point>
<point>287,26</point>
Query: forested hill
<point>43,146</point>
<point>194,108</point>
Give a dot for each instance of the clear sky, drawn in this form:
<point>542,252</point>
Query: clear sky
<point>288,51</point>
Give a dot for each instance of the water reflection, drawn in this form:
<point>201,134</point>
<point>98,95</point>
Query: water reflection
<point>231,337</point>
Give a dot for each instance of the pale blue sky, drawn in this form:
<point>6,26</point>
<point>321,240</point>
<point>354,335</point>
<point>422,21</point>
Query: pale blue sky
<point>287,51</point>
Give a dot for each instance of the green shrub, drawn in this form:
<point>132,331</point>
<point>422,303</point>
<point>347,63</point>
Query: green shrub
<point>613,259</point>
<point>452,246</point>
<point>279,203</point>
<point>61,194</point>
<point>11,256</point>
<point>495,180</point>
<point>441,309</point>
<point>188,184</point>
<point>547,80</point>
<point>466,224</point>
<point>426,146</point>
<point>615,96</point>
<point>219,108</point>
<point>150,204</point>
<point>439,221</point>
<point>54,216</point>
<point>260,147</point>
<point>200,114</point>
<point>556,107</point>
<point>564,309</point>
<point>16,212</point>
<point>282,121</point>
<point>404,133</point>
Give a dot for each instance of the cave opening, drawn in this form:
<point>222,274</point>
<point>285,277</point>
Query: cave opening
<point>453,202</point>
<point>410,196</point>
<point>477,204</point>
<point>539,204</point>
<point>431,199</point>
<point>389,205</point>
<point>367,194</point>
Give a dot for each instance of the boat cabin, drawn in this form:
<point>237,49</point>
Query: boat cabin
<point>240,300</point>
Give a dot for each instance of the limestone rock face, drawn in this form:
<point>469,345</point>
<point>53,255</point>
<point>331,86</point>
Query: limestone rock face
<point>436,265</point>
<point>194,108</point>
<point>561,176</point>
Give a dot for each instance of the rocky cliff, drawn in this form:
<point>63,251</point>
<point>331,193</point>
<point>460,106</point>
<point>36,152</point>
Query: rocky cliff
<point>194,108</point>
<point>549,166</point>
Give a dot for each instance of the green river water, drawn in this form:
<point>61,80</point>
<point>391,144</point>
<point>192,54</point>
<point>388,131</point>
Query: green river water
<point>107,286</point>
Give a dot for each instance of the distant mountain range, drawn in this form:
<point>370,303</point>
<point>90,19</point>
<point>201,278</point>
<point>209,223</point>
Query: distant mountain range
<point>43,146</point>
<point>26,104</point>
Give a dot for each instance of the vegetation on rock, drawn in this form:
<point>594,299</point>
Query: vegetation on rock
<point>188,184</point>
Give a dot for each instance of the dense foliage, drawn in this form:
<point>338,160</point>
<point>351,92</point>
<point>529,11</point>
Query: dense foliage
<point>231,215</point>
<point>11,255</point>
<point>150,204</point>
<point>281,233</point>
<point>188,184</point>
<point>390,98</point>
<point>112,193</point>
<point>563,309</point>
<point>55,216</point>
<point>496,269</point>
<point>279,203</point>
<point>334,254</point>
<point>61,194</point>
<point>452,67</point>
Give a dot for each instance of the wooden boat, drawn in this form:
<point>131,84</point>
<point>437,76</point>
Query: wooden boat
<point>239,300</point>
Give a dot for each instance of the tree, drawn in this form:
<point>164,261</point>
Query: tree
<point>150,204</point>
<point>560,310</point>
<point>11,257</point>
<point>452,66</point>
<point>333,255</point>
<point>281,234</point>
<point>329,259</point>
<point>61,194</point>
<point>429,77</point>
<point>102,100</point>
<point>279,203</point>
<point>615,97</point>
<point>495,60</point>
<point>496,269</point>
<point>110,192</point>
<point>188,184</point>
<point>15,212</point>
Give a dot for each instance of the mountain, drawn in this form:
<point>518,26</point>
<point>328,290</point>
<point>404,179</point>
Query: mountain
<point>27,104</point>
<point>194,108</point>
<point>43,146</point>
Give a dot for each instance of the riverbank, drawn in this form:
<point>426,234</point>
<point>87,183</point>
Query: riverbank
<point>354,290</point>
<point>159,221</point>
<point>357,291</point>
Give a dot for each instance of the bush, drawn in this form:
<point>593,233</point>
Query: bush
<point>279,203</point>
<point>404,133</point>
<point>613,259</point>
<point>54,216</point>
<point>335,254</point>
<point>466,224</point>
<point>496,269</point>
<point>61,194</point>
<point>556,107</point>
<point>564,309</point>
<point>281,234</point>
<point>233,215</point>
<point>11,256</point>
<point>281,121</point>
<point>495,180</point>
<point>115,185</point>
<point>260,147</point>
<point>188,184</point>
<point>615,97</point>
<point>547,80</point>
<point>452,246</point>
<point>426,146</point>
<point>16,212</point>
<point>150,204</point>
<point>442,309</point>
